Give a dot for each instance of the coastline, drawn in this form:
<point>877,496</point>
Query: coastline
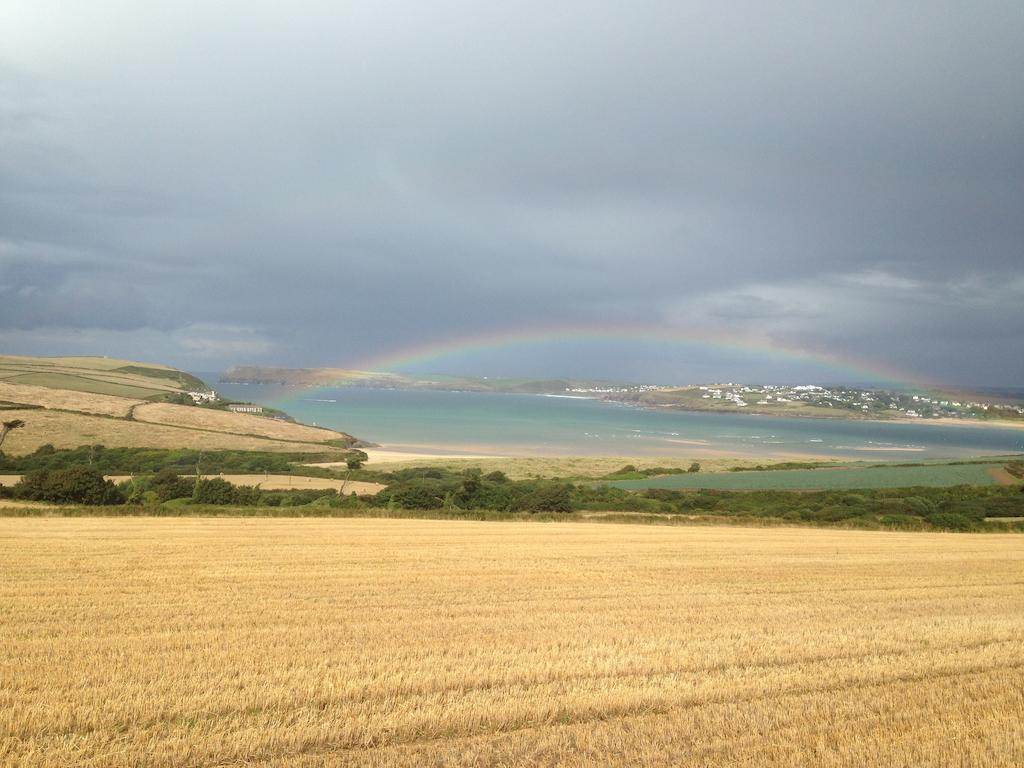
<point>703,453</point>
<point>658,435</point>
<point>707,454</point>
<point>843,416</point>
<point>672,451</point>
<point>534,466</point>
<point>944,421</point>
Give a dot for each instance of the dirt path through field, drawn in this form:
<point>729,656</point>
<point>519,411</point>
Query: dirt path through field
<point>1001,476</point>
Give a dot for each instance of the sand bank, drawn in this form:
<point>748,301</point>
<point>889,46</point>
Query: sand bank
<point>873,449</point>
<point>949,422</point>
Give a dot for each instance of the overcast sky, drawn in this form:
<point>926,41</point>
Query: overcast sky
<point>207,184</point>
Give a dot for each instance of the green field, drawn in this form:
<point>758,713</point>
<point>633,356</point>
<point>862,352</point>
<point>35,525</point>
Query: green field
<point>87,384</point>
<point>101,376</point>
<point>936,475</point>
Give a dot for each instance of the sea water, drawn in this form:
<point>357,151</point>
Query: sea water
<point>522,424</point>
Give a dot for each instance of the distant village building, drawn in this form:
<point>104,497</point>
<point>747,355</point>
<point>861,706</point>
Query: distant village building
<point>245,408</point>
<point>203,397</point>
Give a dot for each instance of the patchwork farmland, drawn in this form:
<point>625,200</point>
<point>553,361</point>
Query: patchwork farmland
<point>68,402</point>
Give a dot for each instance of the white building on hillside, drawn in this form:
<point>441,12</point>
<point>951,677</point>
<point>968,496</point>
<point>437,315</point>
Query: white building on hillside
<point>245,408</point>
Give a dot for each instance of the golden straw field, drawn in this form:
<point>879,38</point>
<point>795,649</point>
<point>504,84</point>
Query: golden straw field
<point>315,642</point>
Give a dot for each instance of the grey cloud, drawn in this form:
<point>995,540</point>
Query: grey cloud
<point>313,187</point>
<point>923,323</point>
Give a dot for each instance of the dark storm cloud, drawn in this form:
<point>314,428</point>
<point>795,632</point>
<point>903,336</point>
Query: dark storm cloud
<point>236,183</point>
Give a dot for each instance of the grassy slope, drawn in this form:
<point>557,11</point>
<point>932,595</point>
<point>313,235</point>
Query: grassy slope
<point>76,402</point>
<point>65,429</point>
<point>67,400</point>
<point>77,383</point>
<point>937,475</point>
<point>225,421</point>
<point>100,375</point>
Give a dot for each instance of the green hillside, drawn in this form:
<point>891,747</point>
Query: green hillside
<point>99,375</point>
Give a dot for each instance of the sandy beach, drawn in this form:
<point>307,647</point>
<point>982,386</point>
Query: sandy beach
<point>886,449</point>
<point>391,456</point>
<point>948,422</point>
<point>521,467</point>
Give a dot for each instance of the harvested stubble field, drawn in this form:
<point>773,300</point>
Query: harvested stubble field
<point>265,481</point>
<point>68,400</point>
<point>70,430</point>
<point>238,423</point>
<point>400,642</point>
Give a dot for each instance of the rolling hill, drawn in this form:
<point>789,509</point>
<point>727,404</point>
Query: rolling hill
<point>72,401</point>
<point>98,375</point>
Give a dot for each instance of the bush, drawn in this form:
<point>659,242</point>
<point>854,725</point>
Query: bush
<point>220,492</point>
<point>551,497</point>
<point>179,398</point>
<point>145,460</point>
<point>347,502</point>
<point>167,485</point>
<point>294,498</point>
<point>213,491</point>
<point>830,514</point>
<point>951,521</point>
<point>415,495</point>
<point>80,485</point>
<point>245,495</point>
<point>915,505</point>
<point>908,522</point>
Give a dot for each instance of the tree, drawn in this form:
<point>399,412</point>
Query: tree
<point>10,426</point>
<point>695,467</point>
<point>213,491</point>
<point>167,485</point>
<point>79,485</point>
<point>471,485</point>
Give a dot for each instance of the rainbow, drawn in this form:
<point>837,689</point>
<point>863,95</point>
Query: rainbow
<point>423,356</point>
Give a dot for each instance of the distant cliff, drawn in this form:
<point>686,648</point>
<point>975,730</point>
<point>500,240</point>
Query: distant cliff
<point>311,377</point>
